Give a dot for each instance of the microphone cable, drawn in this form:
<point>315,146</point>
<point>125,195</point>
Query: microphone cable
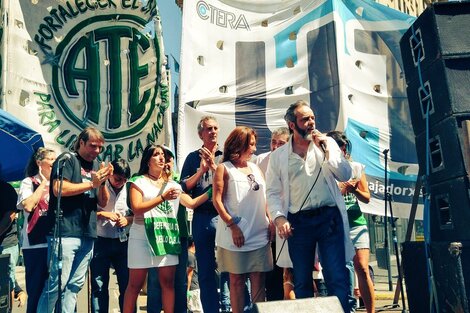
<point>303,202</point>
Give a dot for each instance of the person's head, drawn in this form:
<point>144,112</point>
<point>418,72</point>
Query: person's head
<point>121,173</point>
<point>208,129</point>
<point>153,158</point>
<point>240,144</point>
<point>42,158</point>
<point>169,160</point>
<point>343,142</point>
<point>279,137</point>
<point>300,119</point>
<point>89,143</point>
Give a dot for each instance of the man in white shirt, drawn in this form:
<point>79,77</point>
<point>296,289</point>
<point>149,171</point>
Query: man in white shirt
<point>307,206</point>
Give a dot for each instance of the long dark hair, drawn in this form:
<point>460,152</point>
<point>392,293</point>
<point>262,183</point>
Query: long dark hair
<point>237,142</point>
<point>146,155</point>
<point>32,168</point>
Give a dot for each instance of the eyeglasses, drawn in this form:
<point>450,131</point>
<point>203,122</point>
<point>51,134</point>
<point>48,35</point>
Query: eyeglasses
<point>253,184</point>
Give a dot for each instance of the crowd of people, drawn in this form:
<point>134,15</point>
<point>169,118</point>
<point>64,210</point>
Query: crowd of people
<point>265,223</point>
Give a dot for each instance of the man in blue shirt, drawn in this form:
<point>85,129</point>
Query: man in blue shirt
<point>197,174</point>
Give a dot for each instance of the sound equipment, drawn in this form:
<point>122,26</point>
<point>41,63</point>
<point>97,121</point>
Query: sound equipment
<point>436,59</point>
<point>414,268</point>
<point>444,91</point>
<point>451,270</point>
<point>310,305</point>
<point>450,210</point>
<point>448,149</point>
<point>4,283</point>
<point>436,34</point>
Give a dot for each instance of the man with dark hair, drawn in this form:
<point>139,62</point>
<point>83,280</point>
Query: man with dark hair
<point>196,177</point>
<point>111,245</point>
<point>307,206</point>
<point>83,189</point>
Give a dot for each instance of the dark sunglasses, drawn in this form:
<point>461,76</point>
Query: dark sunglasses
<point>253,184</point>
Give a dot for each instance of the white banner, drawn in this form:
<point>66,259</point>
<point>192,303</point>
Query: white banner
<point>245,62</point>
<point>67,65</point>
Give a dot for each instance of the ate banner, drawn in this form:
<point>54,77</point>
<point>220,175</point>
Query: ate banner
<point>245,62</point>
<point>71,64</point>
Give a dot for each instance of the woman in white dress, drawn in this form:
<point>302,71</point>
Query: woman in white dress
<point>244,230</point>
<point>154,234</point>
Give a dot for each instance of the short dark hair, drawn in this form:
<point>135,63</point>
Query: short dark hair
<point>341,139</point>
<point>121,168</point>
<point>290,113</point>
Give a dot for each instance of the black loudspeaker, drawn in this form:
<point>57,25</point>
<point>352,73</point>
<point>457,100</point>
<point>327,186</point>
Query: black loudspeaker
<point>448,149</point>
<point>416,277</point>
<point>436,60</point>
<point>437,33</point>
<point>443,92</point>
<point>310,305</point>
<point>4,283</point>
<point>452,276</point>
<point>450,210</point>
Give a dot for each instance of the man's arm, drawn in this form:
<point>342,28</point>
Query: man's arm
<point>72,189</point>
<point>336,163</point>
<point>190,174</point>
<point>191,181</point>
<point>274,188</point>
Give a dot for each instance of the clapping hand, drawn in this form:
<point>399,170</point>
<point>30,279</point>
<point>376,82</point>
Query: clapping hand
<point>102,174</point>
<point>207,159</point>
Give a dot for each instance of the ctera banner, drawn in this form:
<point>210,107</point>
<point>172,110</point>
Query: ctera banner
<point>67,65</point>
<point>245,62</point>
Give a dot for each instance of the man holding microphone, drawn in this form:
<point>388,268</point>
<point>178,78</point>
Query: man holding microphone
<point>307,206</point>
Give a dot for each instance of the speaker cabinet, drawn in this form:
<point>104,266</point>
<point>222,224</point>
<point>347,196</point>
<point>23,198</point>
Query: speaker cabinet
<point>310,305</point>
<point>451,276</point>
<point>436,60</point>
<point>437,33</point>
<point>415,272</point>
<point>450,210</point>
<point>443,93</point>
<point>448,149</point>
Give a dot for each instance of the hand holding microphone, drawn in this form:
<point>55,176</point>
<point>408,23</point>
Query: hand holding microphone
<point>319,139</point>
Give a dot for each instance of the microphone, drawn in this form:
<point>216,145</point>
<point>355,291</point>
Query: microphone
<point>316,132</point>
<point>64,157</point>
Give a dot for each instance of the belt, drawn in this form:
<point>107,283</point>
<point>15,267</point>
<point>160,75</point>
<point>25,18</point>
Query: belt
<point>313,212</point>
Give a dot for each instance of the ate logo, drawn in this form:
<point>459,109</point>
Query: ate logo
<point>106,75</point>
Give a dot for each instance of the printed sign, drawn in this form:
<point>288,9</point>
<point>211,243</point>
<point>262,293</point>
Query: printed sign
<point>245,62</point>
<point>73,64</point>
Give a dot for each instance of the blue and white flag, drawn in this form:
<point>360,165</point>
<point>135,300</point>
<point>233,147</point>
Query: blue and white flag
<point>245,62</point>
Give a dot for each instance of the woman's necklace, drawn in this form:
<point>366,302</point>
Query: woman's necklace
<point>153,177</point>
<point>157,181</point>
